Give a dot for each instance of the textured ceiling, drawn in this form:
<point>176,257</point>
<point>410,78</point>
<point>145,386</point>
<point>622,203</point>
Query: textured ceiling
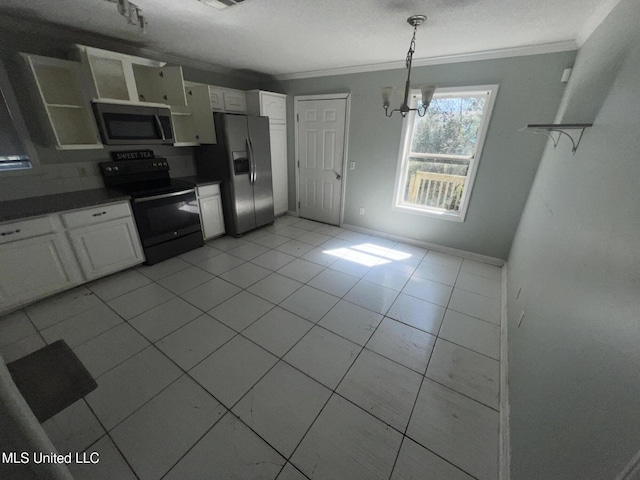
<point>280,37</point>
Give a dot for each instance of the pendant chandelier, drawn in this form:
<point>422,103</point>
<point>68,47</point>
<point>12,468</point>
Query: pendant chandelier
<point>427,91</point>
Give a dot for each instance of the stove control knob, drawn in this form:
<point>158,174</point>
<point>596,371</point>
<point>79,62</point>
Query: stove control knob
<point>155,164</point>
<point>116,168</point>
<point>108,169</point>
<point>164,164</point>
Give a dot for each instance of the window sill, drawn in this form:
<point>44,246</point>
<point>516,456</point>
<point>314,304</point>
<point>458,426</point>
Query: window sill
<point>442,215</point>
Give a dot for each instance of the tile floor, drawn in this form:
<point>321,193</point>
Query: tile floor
<point>300,351</point>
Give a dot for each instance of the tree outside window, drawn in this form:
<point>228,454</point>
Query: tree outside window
<point>441,151</point>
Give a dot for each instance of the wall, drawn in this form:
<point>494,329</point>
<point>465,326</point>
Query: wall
<point>65,170</point>
<point>530,91</point>
<point>575,360</point>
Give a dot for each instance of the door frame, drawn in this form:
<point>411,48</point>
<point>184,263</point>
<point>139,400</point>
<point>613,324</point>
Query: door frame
<point>347,115</point>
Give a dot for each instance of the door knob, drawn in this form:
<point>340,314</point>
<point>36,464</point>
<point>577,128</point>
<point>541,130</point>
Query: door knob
<point>338,176</point>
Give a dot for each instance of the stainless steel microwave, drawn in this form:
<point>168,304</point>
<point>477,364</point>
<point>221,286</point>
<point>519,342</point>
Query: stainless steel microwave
<point>133,124</point>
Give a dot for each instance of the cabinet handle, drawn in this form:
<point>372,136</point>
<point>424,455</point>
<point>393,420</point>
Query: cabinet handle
<point>99,214</point>
<point>161,73</point>
<point>165,97</point>
<point>10,232</point>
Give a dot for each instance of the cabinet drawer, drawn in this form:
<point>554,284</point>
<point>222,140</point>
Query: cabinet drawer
<point>208,190</point>
<point>10,232</point>
<point>91,216</point>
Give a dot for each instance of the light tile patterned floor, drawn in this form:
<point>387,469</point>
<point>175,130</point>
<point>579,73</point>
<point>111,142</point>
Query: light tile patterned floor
<point>299,351</point>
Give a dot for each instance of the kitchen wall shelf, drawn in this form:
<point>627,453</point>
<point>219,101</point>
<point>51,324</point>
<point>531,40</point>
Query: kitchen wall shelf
<point>570,130</point>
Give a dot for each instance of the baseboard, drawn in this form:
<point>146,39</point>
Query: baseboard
<point>505,446</point>
<point>430,246</point>
<point>292,213</point>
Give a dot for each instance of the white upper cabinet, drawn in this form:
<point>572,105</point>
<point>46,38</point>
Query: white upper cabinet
<point>193,124</point>
<point>126,78</point>
<point>227,100</point>
<point>160,85</point>
<point>66,109</point>
<point>235,101</point>
<point>268,104</point>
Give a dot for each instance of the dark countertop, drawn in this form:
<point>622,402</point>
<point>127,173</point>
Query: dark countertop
<point>47,204</point>
<point>199,181</point>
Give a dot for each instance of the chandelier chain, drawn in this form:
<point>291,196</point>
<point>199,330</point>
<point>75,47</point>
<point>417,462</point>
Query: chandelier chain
<point>412,48</point>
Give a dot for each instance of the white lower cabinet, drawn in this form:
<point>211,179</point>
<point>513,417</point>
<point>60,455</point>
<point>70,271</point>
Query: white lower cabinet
<point>46,255</point>
<point>34,268</point>
<point>211,216</point>
<point>106,247</point>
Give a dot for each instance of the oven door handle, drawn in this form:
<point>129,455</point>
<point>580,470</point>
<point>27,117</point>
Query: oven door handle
<point>166,195</point>
<point>159,125</point>
<point>252,162</point>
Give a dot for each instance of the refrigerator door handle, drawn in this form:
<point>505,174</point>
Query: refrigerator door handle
<point>252,162</point>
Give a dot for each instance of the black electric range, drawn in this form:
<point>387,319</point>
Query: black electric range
<point>165,209</point>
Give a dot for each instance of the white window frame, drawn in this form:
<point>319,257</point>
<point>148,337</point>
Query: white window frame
<point>405,145</point>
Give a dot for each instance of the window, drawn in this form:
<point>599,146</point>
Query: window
<point>440,152</point>
<point>13,132</point>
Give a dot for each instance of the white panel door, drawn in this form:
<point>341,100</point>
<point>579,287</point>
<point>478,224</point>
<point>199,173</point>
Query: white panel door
<point>321,129</point>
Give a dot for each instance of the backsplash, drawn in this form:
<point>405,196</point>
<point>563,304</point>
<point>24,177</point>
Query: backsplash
<point>70,177</point>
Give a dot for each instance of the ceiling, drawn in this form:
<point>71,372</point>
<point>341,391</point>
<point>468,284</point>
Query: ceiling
<point>285,37</point>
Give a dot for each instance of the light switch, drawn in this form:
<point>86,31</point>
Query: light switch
<point>352,165</point>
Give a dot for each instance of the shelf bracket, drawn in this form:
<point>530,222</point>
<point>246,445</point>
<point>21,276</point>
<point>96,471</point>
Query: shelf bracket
<point>561,129</point>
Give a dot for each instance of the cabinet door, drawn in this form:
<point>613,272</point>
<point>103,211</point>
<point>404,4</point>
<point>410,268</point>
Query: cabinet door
<point>215,99</point>
<point>211,216</point>
<point>172,85</point>
<point>278,137</point>
<point>112,78</point>
<point>235,101</point>
<point>34,268</point>
<point>274,106</point>
<point>200,107</point>
<point>160,85</point>
<point>106,247</point>
<point>65,106</point>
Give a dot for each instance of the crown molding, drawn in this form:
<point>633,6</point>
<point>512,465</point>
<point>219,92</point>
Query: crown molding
<point>601,12</point>
<point>423,62</point>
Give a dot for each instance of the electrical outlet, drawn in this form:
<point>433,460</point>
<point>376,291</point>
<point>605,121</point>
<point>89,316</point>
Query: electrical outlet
<point>352,165</point>
<point>361,211</point>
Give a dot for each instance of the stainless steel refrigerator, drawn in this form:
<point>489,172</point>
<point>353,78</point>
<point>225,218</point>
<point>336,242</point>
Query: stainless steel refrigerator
<point>241,160</point>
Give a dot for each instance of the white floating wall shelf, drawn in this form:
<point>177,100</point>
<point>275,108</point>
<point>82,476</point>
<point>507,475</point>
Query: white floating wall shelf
<point>568,129</point>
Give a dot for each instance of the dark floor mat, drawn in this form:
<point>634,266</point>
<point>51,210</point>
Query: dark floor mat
<point>51,379</point>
